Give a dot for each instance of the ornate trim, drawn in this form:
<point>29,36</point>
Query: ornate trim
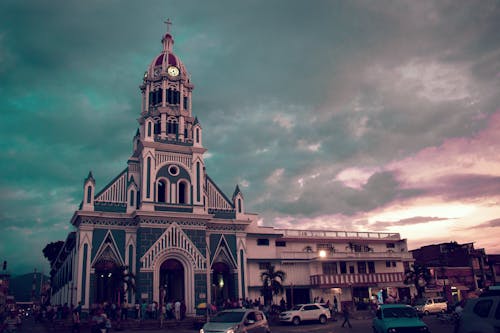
<point>173,240</point>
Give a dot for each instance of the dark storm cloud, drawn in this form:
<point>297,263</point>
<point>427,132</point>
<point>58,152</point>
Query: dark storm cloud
<point>288,93</point>
<point>466,186</point>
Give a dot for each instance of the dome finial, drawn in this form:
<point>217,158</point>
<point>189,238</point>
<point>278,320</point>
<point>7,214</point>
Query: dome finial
<point>168,23</point>
<point>167,40</point>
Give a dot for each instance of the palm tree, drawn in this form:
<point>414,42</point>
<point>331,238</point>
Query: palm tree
<point>123,280</point>
<point>272,283</point>
<point>419,276</point>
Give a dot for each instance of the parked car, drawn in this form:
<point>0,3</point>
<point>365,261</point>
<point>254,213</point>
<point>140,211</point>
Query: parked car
<point>305,312</point>
<point>480,315</point>
<point>393,318</point>
<point>237,321</point>
<point>432,305</point>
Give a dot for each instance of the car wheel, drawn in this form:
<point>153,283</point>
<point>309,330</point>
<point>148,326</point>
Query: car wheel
<point>322,319</point>
<point>296,321</point>
<point>426,312</point>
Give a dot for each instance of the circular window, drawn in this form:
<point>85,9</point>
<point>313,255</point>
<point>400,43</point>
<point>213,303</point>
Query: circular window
<point>173,170</point>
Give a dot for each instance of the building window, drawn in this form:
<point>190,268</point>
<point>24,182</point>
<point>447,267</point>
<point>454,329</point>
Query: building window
<point>182,192</point>
<point>387,264</point>
<point>186,103</point>
<point>264,265</point>
<point>390,245</point>
<point>198,181</point>
<point>148,178</point>
<point>263,242</point>
<point>329,268</point>
<point>89,194</point>
<point>361,267</point>
<point>197,135</point>
<point>343,267</point>
<point>149,128</point>
<point>157,129</point>
<point>351,269</point>
<point>161,190</point>
<point>132,199</point>
<point>239,205</point>
<point>371,267</point>
<point>393,263</point>
<point>280,243</point>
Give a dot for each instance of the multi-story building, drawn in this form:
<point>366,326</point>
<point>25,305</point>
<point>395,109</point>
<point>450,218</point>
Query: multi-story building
<point>164,220</point>
<point>457,269</point>
<point>352,266</point>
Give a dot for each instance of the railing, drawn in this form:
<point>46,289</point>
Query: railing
<point>338,234</point>
<point>356,279</point>
<point>344,255</point>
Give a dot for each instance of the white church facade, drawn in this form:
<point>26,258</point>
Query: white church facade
<point>168,223</point>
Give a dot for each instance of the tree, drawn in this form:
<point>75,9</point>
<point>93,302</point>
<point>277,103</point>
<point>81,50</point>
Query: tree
<point>51,250</point>
<point>419,276</point>
<point>123,280</point>
<point>272,283</point>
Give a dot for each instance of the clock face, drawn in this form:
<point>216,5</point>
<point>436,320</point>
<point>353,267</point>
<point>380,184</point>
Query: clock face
<point>173,71</point>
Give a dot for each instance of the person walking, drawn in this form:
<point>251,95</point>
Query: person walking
<point>76,321</point>
<point>177,309</point>
<point>346,313</point>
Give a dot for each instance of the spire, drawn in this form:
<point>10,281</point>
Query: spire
<point>196,121</point>
<point>237,191</point>
<point>90,177</point>
<point>137,133</point>
<point>167,39</point>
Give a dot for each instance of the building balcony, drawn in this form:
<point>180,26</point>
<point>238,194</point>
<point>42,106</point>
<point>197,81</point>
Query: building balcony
<point>354,280</point>
<point>354,256</point>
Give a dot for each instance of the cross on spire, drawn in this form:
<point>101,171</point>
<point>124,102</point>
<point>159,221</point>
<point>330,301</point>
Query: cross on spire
<point>168,23</point>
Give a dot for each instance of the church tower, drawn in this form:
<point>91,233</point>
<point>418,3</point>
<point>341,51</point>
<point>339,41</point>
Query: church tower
<point>169,149</point>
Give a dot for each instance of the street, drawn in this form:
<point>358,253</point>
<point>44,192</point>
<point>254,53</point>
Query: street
<point>359,326</point>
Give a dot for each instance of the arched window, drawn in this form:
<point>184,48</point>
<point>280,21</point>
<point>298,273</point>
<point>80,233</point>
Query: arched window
<point>183,195</point>
<point>172,126</point>
<point>161,190</point>
<point>197,135</point>
<point>239,205</point>
<point>148,178</point>
<point>89,194</point>
<point>149,128</point>
<point>198,181</point>
<point>157,127</point>
<point>132,199</point>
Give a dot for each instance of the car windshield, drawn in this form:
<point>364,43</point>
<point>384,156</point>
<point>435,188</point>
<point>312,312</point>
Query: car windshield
<point>296,307</point>
<point>228,317</point>
<point>399,313</point>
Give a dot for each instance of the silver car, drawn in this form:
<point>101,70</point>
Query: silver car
<point>237,321</point>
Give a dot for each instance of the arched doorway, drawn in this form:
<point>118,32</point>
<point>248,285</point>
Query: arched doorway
<point>221,283</point>
<point>171,281</point>
<point>106,285</point>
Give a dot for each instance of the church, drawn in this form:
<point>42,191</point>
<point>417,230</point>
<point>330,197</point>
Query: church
<point>164,220</point>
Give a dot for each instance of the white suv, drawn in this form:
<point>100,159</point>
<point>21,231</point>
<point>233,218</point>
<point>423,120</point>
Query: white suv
<point>305,312</point>
<point>432,305</point>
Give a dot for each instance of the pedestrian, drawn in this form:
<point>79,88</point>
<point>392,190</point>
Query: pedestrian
<point>345,312</point>
<point>177,309</point>
<point>76,321</point>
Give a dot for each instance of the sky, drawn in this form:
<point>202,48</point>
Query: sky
<point>376,116</point>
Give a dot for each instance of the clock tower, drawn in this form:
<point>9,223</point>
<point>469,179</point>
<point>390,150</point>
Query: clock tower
<point>169,144</point>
